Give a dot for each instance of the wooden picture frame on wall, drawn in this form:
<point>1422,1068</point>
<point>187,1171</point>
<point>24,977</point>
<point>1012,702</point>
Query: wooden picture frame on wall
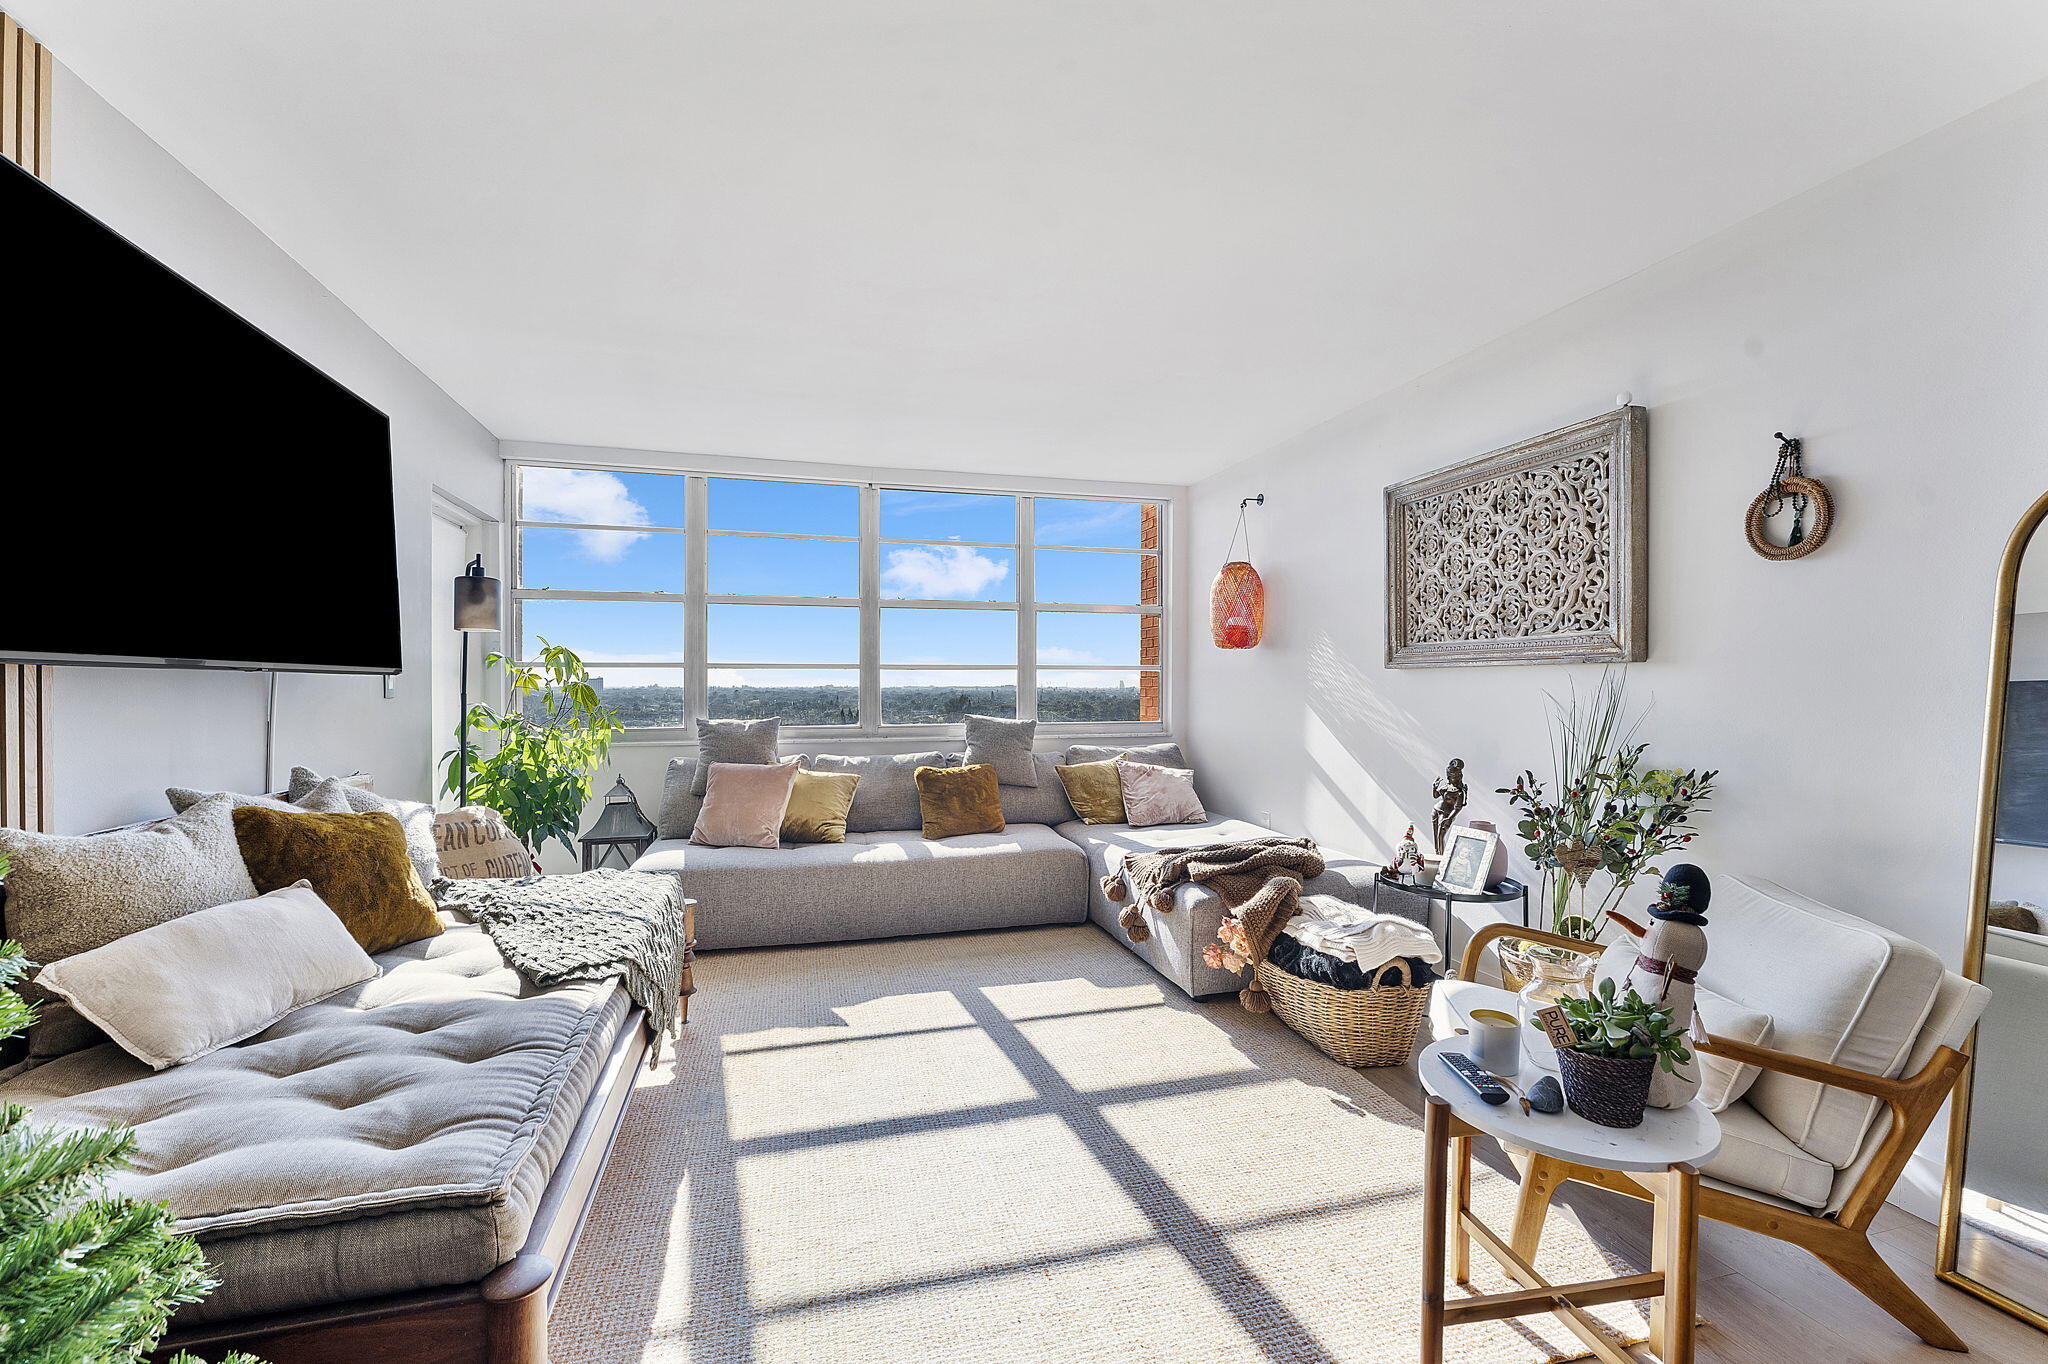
<point>1537,553</point>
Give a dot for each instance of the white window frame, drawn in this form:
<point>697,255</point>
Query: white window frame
<point>696,599</point>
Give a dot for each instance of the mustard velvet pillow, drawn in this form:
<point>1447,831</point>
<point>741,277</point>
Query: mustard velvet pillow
<point>356,863</point>
<point>1094,791</point>
<point>959,800</point>
<point>817,807</point>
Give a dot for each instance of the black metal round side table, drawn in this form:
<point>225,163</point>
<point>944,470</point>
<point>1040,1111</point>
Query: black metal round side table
<point>1509,891</point>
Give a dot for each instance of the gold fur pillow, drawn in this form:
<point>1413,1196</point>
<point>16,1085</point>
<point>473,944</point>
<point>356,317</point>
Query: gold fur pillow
<point>1094,791</point>
<point>356,863</point>
<point>959,800</point>
<point>817,807</point>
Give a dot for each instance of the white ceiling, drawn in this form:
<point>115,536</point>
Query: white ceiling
<point>1133,239</point>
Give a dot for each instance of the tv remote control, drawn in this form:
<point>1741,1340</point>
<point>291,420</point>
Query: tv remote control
<point>1481,1081</point>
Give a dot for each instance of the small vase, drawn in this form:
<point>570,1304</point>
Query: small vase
<point>1551,974</point>
<point>1610,1090</point>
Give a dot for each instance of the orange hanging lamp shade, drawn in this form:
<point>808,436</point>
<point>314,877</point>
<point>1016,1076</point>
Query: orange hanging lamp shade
<point>1237,606</point>
<point>1237,599</point>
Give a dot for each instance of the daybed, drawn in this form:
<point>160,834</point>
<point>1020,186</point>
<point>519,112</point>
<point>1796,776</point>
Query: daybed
<point>399,1171</point>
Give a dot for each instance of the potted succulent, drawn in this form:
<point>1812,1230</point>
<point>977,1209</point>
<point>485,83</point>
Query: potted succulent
<point>1622,1040</point>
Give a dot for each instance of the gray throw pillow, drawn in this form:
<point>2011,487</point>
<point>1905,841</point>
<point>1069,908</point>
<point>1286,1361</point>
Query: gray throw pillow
<point>1045,803</point>
<point>69,894</point>
<point>1004,745</point>
<point>323,798</point>
<point>679,800</point>
<point>886,797</point>
<point>415,817</point>
<point>1159,755</point>
<point>735,741</point>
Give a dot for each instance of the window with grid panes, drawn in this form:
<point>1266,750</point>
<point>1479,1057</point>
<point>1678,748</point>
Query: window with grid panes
<point>841,605</point>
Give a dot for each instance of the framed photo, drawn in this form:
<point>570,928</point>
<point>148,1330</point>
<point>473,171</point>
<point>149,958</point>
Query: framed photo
<point>1468,856</point>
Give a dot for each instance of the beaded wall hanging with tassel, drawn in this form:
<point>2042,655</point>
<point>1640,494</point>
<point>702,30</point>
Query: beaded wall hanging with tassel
<point>1791,487</point>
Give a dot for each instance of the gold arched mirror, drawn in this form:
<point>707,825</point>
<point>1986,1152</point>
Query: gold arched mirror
<point>1994,1232</point>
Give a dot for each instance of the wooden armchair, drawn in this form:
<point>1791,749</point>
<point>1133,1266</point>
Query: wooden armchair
<point>1838,1232</point>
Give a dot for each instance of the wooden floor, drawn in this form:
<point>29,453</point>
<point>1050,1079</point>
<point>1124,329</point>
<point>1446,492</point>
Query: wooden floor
<point>1765,1302</point>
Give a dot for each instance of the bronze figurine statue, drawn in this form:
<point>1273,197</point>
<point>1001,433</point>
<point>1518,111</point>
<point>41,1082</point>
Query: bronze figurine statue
<point>1448,791</point>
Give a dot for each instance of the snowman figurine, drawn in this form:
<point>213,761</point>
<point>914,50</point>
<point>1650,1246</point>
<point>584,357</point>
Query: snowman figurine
<point>1662,964</point>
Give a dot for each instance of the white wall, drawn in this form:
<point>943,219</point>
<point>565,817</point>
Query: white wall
<point>1897,320</point>
<point>122,735</point>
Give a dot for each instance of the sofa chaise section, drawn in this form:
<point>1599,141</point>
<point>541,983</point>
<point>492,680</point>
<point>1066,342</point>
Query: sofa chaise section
<point>881,884</point>
<point>1178,937</point>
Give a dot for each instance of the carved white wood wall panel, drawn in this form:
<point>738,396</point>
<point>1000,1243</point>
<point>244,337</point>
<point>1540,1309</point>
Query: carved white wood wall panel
<point>1533,554</point>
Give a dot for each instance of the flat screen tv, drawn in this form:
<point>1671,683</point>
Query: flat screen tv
<point>179,489</point>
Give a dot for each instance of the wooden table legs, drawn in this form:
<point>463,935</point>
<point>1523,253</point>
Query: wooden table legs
<point>1674,1253</point>
<point>1446,1201</point>
<point>689,960</point>
<point>1436,1153</point>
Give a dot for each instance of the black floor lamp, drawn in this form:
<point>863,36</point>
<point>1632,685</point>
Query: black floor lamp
<point>479,607</point>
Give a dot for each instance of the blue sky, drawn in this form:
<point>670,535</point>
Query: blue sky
<point>646,552</point>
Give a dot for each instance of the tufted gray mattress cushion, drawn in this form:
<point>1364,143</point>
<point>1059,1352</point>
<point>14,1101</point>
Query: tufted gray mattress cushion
<point>394,1136</point>
<point>885,884</point>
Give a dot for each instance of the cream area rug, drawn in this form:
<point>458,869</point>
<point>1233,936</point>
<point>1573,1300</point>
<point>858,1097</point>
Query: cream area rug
<point>1008,1147</point>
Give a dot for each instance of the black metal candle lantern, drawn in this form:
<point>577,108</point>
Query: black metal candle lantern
<point>621,833</point>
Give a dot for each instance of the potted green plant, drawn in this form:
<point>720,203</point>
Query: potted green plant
<point>554,734</point>
<point>1603,812</point>
<point>1622,1040</point>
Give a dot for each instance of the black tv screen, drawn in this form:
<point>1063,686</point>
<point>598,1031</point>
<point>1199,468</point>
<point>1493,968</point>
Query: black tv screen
<point>181,490</point>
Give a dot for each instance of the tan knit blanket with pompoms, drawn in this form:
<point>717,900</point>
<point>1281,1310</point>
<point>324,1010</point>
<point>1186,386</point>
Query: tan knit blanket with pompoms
<point>1259,880</point>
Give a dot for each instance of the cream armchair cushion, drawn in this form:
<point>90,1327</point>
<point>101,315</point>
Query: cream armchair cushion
<point>1837,988</point>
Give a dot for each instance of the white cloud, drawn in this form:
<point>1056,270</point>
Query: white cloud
<point>1054,653</point>
<point>1074,526</point>
<point>949,572</point>
<point>590,496</point>
<point>726,677</point>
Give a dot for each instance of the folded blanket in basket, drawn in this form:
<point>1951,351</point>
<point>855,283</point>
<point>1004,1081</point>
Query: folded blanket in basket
<point>1351,933</point>
<point>1296,960</point>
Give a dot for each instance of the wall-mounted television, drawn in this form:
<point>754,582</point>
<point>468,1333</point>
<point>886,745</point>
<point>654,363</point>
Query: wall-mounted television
<point>179,490</point>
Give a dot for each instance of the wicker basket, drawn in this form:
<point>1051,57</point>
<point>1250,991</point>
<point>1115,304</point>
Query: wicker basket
<point>1371,1027</point>
<point>1609,1090</point>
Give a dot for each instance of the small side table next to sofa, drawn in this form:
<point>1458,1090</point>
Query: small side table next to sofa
<point>1664,1155</point>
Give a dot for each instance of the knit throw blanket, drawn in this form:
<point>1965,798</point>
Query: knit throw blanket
<point>593,925</point>
<point>1259,880</point>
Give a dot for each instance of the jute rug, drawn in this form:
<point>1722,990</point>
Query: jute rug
<point>1015,1146</point>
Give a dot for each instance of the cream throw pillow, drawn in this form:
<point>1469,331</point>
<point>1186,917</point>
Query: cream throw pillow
<point>1158,795</point>
<point>475,841</point>
<point>1722,1081</point>
<point>173,993</point>
<point>744,804</point>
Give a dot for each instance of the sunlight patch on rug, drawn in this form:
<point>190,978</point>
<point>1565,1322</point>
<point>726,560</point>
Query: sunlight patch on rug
<point>1015,1147</point>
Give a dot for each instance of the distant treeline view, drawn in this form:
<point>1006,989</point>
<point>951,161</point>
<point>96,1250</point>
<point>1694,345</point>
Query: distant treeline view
<point>651,707</point>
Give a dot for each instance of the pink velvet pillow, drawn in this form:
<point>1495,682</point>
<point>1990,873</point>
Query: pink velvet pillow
<point>744,804</point>
<point>1158,795</point>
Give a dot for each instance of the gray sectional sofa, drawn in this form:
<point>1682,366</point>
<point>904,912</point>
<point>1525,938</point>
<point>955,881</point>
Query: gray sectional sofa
<point>887,880</point>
